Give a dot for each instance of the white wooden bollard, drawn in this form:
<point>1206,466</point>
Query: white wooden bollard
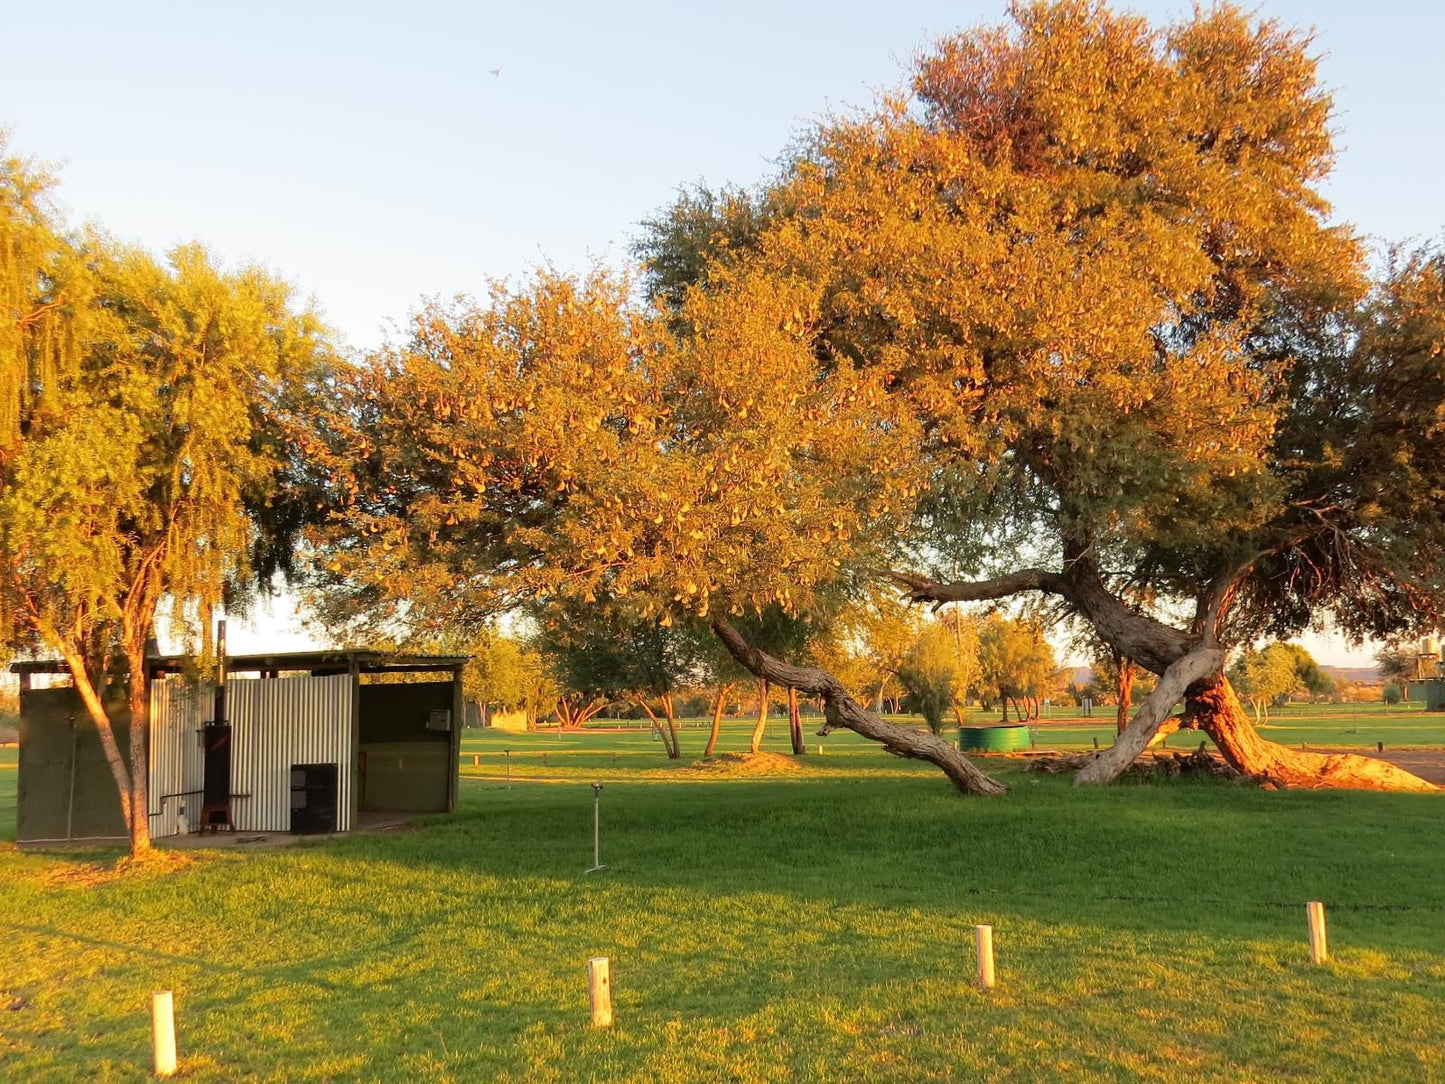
<point>599,989</point>
<point>163,1032</point>
<point>1319,943</point>
<point>983,938</point>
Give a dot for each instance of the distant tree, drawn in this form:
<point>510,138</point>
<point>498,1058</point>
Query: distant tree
<point>937,670</point>
<point>601,653</point>
<point>1016,660</point>
<point>1392,693</point>
<point>1398,665</point>
<point>1264,676</point>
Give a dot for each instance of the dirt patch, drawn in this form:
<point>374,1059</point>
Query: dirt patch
<point>1428,764</point>
<point>158,863</point>
<point>748,764</point>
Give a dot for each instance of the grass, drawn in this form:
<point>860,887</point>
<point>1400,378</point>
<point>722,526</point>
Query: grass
<point>814,926</point>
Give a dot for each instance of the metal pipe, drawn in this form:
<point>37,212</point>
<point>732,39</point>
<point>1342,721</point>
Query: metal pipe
<point>74,756</point>
<point>596,828</point>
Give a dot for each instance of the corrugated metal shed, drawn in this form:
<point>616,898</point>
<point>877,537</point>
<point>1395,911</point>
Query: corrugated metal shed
<point>178,710</point>
<point>276,723</point>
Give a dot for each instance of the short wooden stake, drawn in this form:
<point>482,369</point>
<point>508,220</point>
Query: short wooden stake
<point>599,988</point>
<point>163,1032</point>
<point>476,759</point>
<point>1379,747</point>
<point>1319,943</point>
<point>983,936</point>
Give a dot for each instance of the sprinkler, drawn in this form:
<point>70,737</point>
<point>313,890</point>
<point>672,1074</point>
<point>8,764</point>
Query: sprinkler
<point>596,828</point>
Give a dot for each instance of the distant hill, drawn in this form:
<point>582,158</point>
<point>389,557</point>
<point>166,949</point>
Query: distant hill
<point>1365,675</point>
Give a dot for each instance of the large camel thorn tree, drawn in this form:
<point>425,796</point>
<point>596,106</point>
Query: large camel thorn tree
<point>141,438</point>
<point>1069,314</point>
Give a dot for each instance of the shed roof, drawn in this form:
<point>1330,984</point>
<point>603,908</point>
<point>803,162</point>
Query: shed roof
<point>336,662</point>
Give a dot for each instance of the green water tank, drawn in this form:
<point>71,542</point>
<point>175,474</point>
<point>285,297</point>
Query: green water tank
<point>993,739</point>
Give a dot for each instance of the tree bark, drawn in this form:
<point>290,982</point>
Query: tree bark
<point>140,728</point>
<point>1106,767</point>
<point>717,714</point>
<point>674,749</point>
<point>757,740</point>
<point>90,699</point>
<point>1218,712</point>
<point>841,710</point>
<point>1124,669</point>
<point>795,723</point>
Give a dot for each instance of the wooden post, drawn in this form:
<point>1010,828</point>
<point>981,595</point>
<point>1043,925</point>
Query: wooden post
<point>1319,943</point>
<point>476,759</point>
<point>1379,747</point>
<point>163,1032</point>
<point>599,989</point>
<point>983,937</point>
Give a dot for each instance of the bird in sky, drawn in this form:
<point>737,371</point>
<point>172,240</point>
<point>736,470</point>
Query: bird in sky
<point>497,72</point>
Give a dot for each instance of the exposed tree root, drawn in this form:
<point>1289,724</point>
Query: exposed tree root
<point>1217,711</point>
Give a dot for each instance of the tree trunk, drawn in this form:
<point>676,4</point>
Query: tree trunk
<point>140,729</point>
<point>757,741</point>
<point>657,726</point>
<point>1219,714</point>
<point>717,714</point>
<point>841,710</point>
<point>90,698</point>
<point>674,750</point>
<point>1156,707</point>
<point>1124,667</point>
<point>795,723</point>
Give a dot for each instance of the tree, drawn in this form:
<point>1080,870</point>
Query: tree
<point>602,653</point>
<point>1068,319</point>
<point>1264,677</point>
<point>1016,660</point>
<point>938,669</point>
<point>1114,674</point>
<point>139,448</point>
<point>1397,665</point>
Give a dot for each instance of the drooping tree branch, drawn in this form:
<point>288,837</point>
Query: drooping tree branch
<point>841,710</point>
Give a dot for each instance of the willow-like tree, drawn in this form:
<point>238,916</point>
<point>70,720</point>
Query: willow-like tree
<point>138,441</point>
<point>1067,317</point>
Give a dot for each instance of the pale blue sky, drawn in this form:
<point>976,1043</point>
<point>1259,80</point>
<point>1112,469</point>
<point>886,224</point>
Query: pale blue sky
<point>366,152</point>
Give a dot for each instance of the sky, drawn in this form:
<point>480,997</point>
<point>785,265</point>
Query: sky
<point>378,154</point>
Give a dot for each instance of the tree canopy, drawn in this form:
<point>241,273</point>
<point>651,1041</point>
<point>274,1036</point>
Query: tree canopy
<point>143,413</point>
<point>1067,317</point>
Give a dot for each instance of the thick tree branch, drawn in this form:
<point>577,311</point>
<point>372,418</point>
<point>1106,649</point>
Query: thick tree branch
<point>1177,678</point>
<point>841,710</point>
<point>923,589</point>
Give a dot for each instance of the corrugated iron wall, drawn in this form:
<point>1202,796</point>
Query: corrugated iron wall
<point>178,709</point>
<point>278,722</point>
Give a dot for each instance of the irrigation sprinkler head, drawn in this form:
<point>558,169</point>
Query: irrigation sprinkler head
<point>596,789</point>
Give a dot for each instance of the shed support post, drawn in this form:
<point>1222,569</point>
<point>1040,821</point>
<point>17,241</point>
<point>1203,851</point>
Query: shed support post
<point>353,799</point>
<point>454,768</point>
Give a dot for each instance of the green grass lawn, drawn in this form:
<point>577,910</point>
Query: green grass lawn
<point>815,925</point>
<point>9,755</point>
